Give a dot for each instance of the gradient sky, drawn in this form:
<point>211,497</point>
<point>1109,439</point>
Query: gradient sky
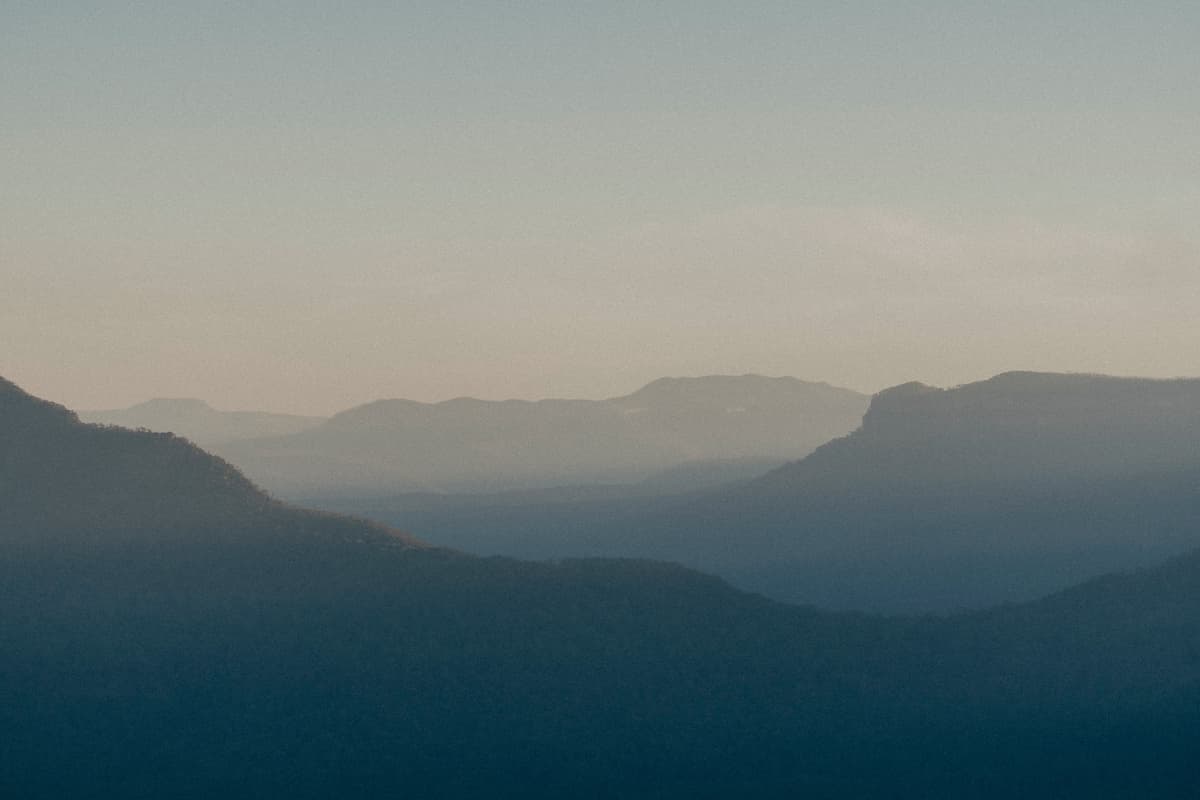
<point>302,207</point>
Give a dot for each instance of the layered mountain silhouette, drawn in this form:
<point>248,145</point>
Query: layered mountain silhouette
<point>59,474</point>
<point>711,424</point>
<point>996,491</point>
<point>258,651</point>
<point>201,423</point>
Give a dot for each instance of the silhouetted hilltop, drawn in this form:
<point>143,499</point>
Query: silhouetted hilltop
<point>475,445</point>
<point>22,412</point>
<point>196,420</point>
<point>303,656</point>
<point>58,472</point>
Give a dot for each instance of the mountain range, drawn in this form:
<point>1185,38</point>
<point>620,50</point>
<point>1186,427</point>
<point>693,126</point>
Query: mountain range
<point>702,430</point>
<point>195,638</point>
<point>996,491</point>
<point>201,423</point>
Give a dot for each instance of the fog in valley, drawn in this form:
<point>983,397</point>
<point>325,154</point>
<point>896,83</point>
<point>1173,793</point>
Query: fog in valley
<point>675,400</point>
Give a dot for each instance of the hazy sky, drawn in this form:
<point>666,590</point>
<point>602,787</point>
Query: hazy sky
<point>303,206</point>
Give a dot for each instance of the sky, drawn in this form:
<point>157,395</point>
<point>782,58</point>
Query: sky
<point>305,206</point>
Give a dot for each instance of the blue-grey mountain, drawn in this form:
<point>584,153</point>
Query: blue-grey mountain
<point>197,639</point>
<point>996,491</point>
<point>712,424</point>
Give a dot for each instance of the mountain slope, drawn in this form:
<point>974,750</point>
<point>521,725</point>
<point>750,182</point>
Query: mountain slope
<point>59,474</point>
<point>992,492</point>
<point>996,491</point>
<point>309,657</point>
<point>474,445</point>
<point>1010,427</point>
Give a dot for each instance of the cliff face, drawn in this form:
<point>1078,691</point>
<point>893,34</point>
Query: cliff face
<point>1091,405</point>
<point>1013,427</point>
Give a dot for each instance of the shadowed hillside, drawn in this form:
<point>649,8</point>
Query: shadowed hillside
<point>58,474</point>
<point>261,654</point>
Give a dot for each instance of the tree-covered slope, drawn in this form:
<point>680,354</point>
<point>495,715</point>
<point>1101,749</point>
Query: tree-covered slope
<point>201,423</point>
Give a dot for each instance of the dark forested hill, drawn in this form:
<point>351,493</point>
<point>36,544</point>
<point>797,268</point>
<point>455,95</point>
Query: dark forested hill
<point>58,474</point>
<point>55,472</point>
<point>258,651</point>
<point>475,445</point>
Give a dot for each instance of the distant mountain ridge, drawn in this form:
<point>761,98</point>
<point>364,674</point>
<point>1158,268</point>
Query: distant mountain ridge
<point>1001,490</point>
<point>1002,427</point>
<point>993,491</point>
<point>264,652</point>
<point>198,421</point>
<point>467,444</point>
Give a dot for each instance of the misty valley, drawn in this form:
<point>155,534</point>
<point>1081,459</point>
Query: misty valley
<point>987,591</point>
<point>918,500</point>
<point>664,400</point>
